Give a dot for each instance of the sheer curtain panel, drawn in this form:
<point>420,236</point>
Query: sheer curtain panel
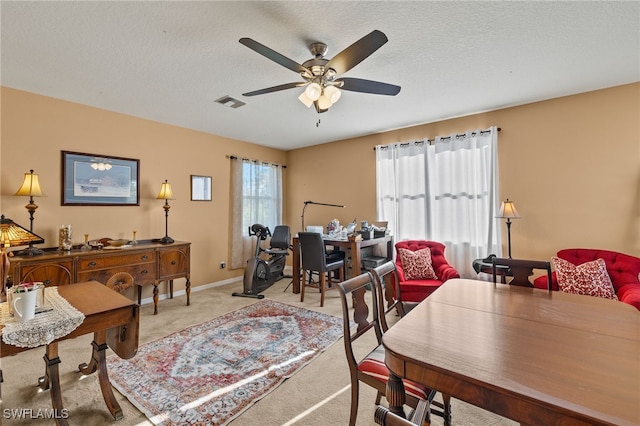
<point>256,192</point>
<point>444,190</point>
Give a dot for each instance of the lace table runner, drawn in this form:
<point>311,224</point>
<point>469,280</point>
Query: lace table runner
<point>46,327</point>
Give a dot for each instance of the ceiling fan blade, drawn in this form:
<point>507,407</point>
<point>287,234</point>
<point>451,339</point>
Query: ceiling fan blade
<point>357,52</point>
<point>274,56</point>
<point>275,89</point>
<point>369,86</point>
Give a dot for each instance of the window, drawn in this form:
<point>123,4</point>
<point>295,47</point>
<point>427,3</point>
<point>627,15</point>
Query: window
<point>444,191</point>
<point>257,198</point>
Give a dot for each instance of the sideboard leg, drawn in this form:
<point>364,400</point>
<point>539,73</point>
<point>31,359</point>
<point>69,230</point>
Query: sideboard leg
<point>188,291</point>
<point>155,298</point>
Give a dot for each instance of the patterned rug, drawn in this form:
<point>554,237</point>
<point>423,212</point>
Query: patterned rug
<point>210,373</point>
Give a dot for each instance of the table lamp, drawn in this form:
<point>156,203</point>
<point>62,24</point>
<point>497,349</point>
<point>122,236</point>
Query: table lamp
<point>508,211</point>
<point>31,188</point>
<point>11,235</point>
<point>166,194</point>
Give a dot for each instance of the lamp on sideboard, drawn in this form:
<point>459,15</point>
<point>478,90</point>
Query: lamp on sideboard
<point>12,235</point>
<point>166,194</point>
<point>508,211</point>
<point>30,188</point>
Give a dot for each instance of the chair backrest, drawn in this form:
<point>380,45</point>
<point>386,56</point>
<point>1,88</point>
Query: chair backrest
<point>281,238</point>
<point>364,313</point>
<point>388,290</point>
<point>521,270</point>
<point>313,251</point>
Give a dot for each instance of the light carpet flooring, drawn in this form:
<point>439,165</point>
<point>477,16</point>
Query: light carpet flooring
<point>317,395</point>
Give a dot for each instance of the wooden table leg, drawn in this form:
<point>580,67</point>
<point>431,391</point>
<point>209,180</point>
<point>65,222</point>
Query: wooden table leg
<point>51,381</point>
<point>395,395</point>
<point>296,265</point>
<point>99,362</point>
<point>170,289</point>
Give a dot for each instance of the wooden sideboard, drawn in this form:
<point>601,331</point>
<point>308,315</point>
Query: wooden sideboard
<point>146,263</point>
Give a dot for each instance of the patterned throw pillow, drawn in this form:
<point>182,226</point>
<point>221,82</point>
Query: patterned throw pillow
<point>590,278</point>
<point>417,264</point>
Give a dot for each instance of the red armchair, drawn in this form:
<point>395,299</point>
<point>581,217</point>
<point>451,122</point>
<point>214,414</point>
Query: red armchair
<point>623,270</point>
<point>416,290</point>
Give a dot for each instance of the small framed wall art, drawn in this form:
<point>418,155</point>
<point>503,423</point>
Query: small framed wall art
<point>200,188</point>
<point>99,180</point>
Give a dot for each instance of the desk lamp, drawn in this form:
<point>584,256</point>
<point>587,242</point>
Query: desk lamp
<point>508,211</point>
<point>11,235</point>
<point>31,188</point>
<point>166,194</point>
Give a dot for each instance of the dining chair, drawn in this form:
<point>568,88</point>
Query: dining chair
<point>314,259</point>
<point>389,295</point>
<point>521,270</point>
<point>390,300</point>
<point>384,417</point>
<point>363,320</point>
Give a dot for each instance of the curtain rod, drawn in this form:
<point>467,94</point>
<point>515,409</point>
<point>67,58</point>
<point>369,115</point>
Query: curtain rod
<point>253,160</point>
<point>430,141</point>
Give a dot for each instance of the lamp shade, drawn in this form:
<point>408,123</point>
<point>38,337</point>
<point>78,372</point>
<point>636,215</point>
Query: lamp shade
<point>30,186</point>
<point>305,99</point>
<point>313,91</point>
<point>508,210</point>
<point>12,234</point>
<point>333,93</point>
<point>165,191</point>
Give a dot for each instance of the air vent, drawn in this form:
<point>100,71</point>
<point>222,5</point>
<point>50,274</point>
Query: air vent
<point>230,102</point>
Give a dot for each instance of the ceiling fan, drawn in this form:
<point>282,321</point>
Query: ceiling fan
<point>321,75</point>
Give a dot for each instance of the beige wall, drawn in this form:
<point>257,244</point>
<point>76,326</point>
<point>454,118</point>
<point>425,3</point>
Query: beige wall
<point>572,165</point>
<point>34,131</point>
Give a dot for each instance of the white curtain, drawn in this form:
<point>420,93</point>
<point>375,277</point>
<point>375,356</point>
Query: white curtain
<point>444,191</point>
<point>256,197</point>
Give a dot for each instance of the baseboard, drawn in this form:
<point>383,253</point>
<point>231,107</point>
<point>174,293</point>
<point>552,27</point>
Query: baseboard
<point>164,296</point>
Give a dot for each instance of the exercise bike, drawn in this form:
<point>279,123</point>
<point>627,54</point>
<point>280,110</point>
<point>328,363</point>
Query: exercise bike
<point>260,274</point>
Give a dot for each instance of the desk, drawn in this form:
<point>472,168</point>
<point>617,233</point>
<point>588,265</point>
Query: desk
<point>112,318</point>
<point>534,356</point>
<point>354,246</point>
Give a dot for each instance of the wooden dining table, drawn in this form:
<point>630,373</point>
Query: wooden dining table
<point>534,356</point>
<point>114,321</point>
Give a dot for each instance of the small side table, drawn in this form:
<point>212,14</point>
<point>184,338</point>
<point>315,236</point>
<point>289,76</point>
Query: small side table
<point>486,267</point>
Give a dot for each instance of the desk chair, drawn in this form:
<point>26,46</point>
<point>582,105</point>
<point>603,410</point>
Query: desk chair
<point>363,319</point>
<point>314,259</point>
<point>521,270</point>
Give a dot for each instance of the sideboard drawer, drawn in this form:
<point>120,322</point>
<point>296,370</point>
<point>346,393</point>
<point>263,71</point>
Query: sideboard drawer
<point>142,274</point>
<point>50,273</point>
<point>106,261</point>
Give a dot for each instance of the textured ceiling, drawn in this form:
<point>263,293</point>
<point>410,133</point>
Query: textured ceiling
<point>169,61</point>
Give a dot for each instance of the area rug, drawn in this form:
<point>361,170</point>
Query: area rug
<point>210,373</point>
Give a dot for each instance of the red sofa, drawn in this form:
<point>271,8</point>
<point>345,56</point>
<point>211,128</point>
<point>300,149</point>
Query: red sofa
<point>418,290</point>
<point>623,270</point>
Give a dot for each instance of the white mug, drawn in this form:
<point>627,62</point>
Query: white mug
<point>24,305</point>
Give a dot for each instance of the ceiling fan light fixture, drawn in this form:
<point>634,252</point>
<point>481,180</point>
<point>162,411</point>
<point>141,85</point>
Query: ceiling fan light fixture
<point>305,99</point>
<point>313,91</point>
<point>333,93</point>
<point>324,102</point>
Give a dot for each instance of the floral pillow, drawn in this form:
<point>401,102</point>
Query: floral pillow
<point>590,278</point>
<point>417,264</point>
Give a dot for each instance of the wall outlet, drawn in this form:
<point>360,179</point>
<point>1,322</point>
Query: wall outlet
<point>223,264</point>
